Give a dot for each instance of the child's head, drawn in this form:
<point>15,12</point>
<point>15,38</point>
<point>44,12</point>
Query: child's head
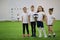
<point>40,9</point>
<point>51,10</point>
<point>32,8</point>
<point>24,9</point>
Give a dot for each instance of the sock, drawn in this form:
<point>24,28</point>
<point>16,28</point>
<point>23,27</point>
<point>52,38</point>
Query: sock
<point>53,33</point>
<point>39,30</point>
<point>44,32</point>
<point>49,34</point>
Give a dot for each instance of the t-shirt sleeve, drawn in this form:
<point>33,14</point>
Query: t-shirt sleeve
<point>53,16</point>
<point>28,13</point>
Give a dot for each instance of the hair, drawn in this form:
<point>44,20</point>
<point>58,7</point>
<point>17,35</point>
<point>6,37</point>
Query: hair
<point>24,7</point>
<point>42,9</point>
<point>32,6</point>
<point>51,9</point>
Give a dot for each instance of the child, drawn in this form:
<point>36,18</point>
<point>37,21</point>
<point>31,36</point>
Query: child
<point>40,25</point>
<point>50,21</point>
<point>18,17</point>
<point>32,21</point>
<point>25,21</point>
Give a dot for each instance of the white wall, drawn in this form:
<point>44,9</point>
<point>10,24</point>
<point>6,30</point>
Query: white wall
<point>6,5</point>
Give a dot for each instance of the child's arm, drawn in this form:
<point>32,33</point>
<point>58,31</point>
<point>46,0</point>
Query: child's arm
<point>46,20</point>
<point>22,18</point>
<point>44,17</point>
<point>53,20</point>
<point>29,19</point>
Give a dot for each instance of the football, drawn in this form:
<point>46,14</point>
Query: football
<point>35,16</point>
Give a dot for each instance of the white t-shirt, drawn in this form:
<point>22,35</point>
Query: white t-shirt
<point>50,19</point>
<point>31,14</point>
<point>25,17</point>
<point>40,16</point>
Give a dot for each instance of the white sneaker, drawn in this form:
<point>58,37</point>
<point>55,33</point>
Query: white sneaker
<point>40,36</point>
<point>45,36</point>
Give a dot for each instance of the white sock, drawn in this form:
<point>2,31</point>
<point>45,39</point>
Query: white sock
<point>39,30</point>
<point>44,32</point>
<point>49,34</point>
<point>53,33</point>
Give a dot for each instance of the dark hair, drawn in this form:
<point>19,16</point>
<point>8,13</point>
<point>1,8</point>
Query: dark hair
<point>42,9</point>
<point>32,6</point>
<point>51,9</point>
<point>24,7</point>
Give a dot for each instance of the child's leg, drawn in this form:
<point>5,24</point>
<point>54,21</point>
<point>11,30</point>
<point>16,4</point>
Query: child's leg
<point>27,30</point>
<point>42,28</point>
<point>23,30</point>
<point>51,29</point>
<point>39,30</point>
<point>44,32</point>
<point>34,29</point>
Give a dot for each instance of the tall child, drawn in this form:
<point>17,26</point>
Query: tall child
<point>50,21</point>
<point>25,21</point>
<point>32,21</point>
<point>40,25</point>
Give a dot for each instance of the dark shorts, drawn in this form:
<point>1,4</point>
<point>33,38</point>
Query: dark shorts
<point>40,24</point>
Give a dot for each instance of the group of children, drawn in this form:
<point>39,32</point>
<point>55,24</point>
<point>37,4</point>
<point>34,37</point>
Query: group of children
<point>36,18</point>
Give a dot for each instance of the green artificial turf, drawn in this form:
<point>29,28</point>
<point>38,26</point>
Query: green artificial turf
<point>13,31</point>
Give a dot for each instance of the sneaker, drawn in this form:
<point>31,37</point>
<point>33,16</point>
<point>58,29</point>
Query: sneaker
<point>23,35</point>
<point>54,35</point>
<point>49,35</point>
<point>40,36</point>
<point>28,35</point>
<point>34,36</point>
<point>45,36</point>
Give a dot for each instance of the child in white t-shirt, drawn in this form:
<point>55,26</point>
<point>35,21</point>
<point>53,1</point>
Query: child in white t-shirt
<point>50,21</point>
<point>25,21</point>
<point>32,21</point>
<point>40,25</point>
